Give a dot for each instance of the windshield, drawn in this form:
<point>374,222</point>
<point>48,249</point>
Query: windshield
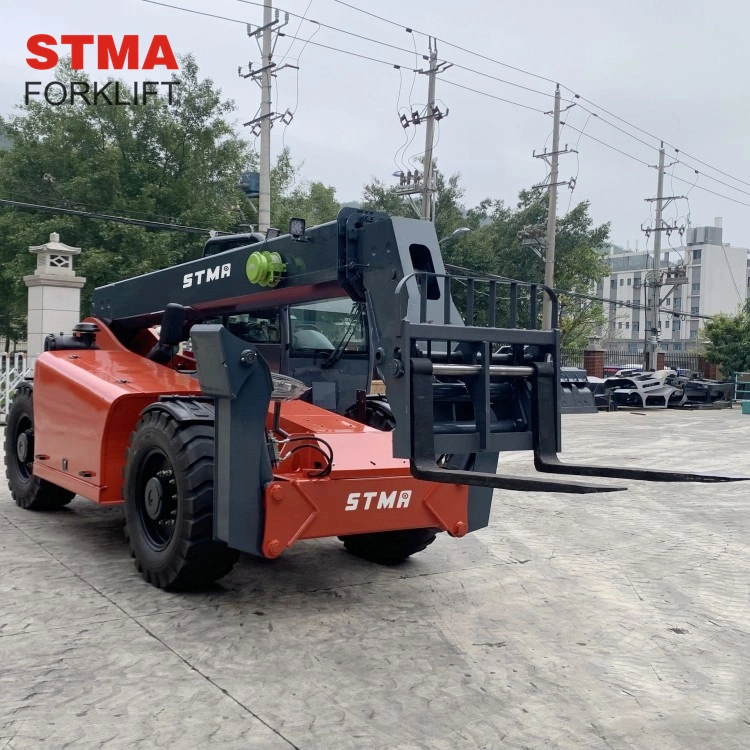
<point>329,325</point>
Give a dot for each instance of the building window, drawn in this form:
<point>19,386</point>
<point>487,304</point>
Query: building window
<point>627,326</point>
<point>666,324</point>
<point>694,310</point>
<point>633,348</point>
<point>696,287</point>
<point>630,282</point>
<point>648,324</point>
<point>696,255</point>
<point>613,283</point>
<point>693,334</point>
<point>678,303</point>
<point>669,302</point>
<point>619,326</point>
<point>636,326</point>
<point>622,282</point>
<point>676,325</point>
<point>677,347</point>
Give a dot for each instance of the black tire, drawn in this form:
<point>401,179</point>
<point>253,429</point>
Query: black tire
<point>389,547</point>
<point>376,415</point>
<point>385,547</point>
<point>27,490</point>
<point>168,494</point>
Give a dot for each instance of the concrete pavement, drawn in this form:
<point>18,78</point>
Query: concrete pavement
<point>611,621</point>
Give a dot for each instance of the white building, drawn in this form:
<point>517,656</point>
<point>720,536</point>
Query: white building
<point>715,278</point>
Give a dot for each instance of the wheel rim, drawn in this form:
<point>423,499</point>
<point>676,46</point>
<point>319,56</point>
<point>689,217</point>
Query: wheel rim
<point>156,499</point>
<point>24,443</point>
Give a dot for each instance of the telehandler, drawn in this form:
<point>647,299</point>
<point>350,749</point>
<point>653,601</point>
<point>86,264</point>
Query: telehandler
<point>223,400</point>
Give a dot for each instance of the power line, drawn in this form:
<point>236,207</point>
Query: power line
<point>614,148</point>
<point>290,37</point>
<point>488,95</point>
<point>407,51</point>
<point>572,91</point>
<point>608,145</point>
<point>680,161</point>
<point>656,138</point>
<point>715,179</point>
<point>104,217</point>
<point>196,12</point>
<point>453,268</point>
<point>353,54</point>
<point>404,49</point>
<point>444,41</point>
<point>713,192</point>
<point>332,28</point>
<point>492,96</point>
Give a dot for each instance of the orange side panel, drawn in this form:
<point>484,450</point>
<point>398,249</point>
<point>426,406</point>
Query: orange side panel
<point>300,509</point>
<point>359,451</point>
<point>86,404</point>
<point>367,490</point>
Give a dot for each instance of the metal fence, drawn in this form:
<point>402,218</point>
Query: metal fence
<point>619,360</point>
<point>690,361</point>
<point>571,357</point>
<point>13,369</point>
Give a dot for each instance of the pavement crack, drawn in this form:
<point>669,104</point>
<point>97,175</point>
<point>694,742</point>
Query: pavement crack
<point>633,587</point>
<point>153,635</point>
<point>213,683</point>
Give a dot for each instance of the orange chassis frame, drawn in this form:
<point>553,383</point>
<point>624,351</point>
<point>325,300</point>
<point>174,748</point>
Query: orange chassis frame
<point>87,403</point>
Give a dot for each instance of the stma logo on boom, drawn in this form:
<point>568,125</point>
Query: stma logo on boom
<point>109,56</point>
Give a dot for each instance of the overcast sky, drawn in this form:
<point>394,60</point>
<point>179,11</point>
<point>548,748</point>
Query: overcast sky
<point>677,69</point>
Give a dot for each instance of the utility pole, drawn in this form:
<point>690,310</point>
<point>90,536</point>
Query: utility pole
<point>264,196</point>
<point>552,160</point>
<point>261,125</point>
<point>651,351</point>
<point>549,258</point>
<point>414,183</point>
<point>427,193</point>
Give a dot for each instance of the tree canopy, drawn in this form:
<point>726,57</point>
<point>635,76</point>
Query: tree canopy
<point>177,163</point>
<point>181,163</point>
<point>729,341</point>
<point>493,245</point>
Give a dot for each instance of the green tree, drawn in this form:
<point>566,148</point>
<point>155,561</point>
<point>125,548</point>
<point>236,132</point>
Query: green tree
<point>729,341</point>
<point>377,196</point>
<point>178,163</point>
<point>494,247</point>
<point>290,197</point>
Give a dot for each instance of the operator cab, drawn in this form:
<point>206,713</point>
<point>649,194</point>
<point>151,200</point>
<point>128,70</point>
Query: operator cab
<point>324,344</point>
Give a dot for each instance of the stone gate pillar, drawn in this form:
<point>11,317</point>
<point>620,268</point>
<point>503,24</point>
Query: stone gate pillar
<point>54,302</point>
